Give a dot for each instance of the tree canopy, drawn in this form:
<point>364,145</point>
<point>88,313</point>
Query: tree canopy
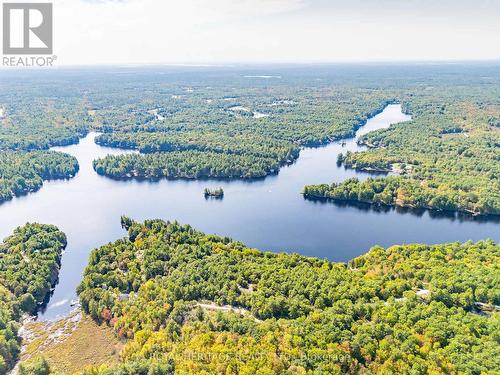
<point>187,301</point>
<point>29,264</point>
<point>446,159</point>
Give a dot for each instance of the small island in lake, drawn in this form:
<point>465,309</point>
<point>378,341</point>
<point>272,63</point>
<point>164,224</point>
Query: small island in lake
<point>214,193</point>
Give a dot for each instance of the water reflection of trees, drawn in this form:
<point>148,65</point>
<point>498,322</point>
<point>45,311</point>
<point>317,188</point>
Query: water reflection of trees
<point>419,212</point>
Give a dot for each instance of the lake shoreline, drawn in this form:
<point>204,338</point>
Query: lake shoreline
<point>267,213</point>
<point>353,202</point>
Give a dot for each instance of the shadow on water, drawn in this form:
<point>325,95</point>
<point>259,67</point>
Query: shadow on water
<point>418,212</point>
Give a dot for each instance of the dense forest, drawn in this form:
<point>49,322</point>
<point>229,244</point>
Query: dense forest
<point>22,172</point>
<point>34,119</point>
<point>194,137</point>
<point>29,264</point>
<point>40,111</point>
<point>203,123</point>
<point>169,291</point>
<point>192,164</point>
<point>447,158</point>
<point>186,302</point>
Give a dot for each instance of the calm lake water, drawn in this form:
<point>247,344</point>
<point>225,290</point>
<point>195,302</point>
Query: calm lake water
<point>269,214</point>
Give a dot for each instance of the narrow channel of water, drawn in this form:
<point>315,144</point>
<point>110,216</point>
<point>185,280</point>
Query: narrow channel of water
<point>269,214</point>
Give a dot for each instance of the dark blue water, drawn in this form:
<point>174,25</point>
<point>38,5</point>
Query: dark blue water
<point>269,214</point>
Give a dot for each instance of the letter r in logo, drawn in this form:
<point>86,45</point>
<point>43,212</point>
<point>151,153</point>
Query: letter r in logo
<point>27,28</point>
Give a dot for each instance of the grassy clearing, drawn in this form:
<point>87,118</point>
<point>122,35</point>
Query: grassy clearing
<point>71,344</point>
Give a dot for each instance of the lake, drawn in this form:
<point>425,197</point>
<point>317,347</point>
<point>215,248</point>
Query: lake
<point>269,214</point>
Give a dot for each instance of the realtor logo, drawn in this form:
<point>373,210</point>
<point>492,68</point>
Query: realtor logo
<point>27,28</point>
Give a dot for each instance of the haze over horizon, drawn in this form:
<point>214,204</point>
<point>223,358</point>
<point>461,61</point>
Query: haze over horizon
<point>103,32</point>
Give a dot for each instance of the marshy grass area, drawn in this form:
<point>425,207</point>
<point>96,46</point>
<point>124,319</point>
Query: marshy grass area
<point>71,344</point>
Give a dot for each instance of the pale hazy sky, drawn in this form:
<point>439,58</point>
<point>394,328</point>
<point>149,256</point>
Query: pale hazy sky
<point>225,31</point>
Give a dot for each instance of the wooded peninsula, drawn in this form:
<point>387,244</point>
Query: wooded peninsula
<point>185,301</point>
<point>447,158</point>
